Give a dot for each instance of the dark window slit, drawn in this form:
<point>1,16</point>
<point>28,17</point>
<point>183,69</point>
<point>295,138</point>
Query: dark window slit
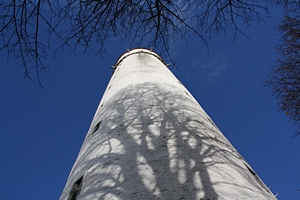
<point>250,170</point>
<point>75,191</point>
<point>96,128</point>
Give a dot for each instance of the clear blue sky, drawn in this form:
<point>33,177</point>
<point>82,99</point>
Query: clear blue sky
<point>41,130</point>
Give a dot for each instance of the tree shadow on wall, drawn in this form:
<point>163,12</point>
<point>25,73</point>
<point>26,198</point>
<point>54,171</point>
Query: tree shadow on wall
<point>151,142</point>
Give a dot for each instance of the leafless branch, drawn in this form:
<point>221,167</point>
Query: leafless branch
<point>29,27</point>
<point>285,76</point>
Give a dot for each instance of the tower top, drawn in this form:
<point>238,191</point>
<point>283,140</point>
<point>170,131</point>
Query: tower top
<point>137,51</point>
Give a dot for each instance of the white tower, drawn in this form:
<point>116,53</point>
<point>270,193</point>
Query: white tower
<point>150,139</point>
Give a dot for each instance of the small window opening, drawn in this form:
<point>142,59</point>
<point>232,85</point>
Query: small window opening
<point>96,128</point>
<point>75,191</point>
<point>250,170</point>
<point>216,127</point>
<point>257,179</point>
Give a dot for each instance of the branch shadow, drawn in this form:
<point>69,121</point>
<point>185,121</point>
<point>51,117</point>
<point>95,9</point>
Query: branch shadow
<point>153,143</point>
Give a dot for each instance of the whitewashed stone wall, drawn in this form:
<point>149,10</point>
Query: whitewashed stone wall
<point>150,139</point>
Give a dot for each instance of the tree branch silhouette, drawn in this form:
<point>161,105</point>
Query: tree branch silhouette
<point>33,30</point>
<point>284,79</point>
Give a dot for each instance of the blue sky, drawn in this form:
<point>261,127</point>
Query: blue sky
<point>41,130</point>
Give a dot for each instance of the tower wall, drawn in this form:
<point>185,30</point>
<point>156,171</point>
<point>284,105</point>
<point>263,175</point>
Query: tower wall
<point>150,139</point>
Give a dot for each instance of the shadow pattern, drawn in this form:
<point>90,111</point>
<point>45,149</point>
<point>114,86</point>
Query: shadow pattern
<point>154,141</point>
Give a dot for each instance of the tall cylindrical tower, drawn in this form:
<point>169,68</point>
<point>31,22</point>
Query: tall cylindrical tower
<point>150,139</point>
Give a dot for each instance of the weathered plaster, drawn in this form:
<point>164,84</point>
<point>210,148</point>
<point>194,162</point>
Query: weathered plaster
<point>156,142</point>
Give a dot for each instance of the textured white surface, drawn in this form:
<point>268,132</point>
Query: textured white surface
<point>156,142</point>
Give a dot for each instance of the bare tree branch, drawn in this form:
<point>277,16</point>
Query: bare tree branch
<point>91,23</point>
<point>284,79</point>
